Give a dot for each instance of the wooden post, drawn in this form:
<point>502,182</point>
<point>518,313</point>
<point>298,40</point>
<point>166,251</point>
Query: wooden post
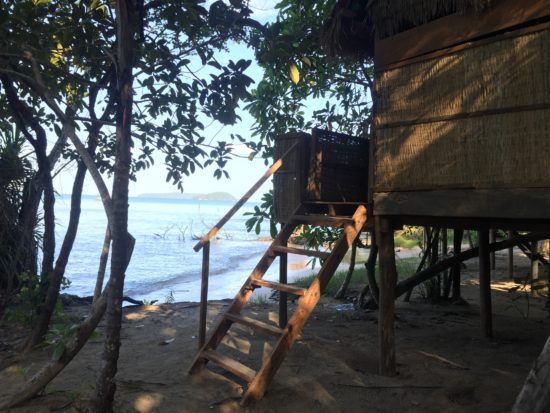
<point>534,261</point>
<point>485,284</point>
<point>283,279</point>
<point>510,257</point>
<point>457,247</point>
<point>492,239</point>
<point>204,293</point>
<point>388,280</point>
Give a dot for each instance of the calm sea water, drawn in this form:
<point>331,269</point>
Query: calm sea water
<point>164,261</point>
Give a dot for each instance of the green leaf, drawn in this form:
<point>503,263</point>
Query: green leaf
<point>58,351</point>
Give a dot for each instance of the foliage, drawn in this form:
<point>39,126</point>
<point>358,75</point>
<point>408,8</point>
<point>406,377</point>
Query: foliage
<point>264,211</point>
<point>405,267</point>
<point>410,237</point>
<point>181,77</point>
<point>14,171</point>
<point>302,88</point>
<point>315,238</point>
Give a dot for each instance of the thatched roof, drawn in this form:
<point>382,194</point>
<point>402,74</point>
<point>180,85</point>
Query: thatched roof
<point>355,24</point>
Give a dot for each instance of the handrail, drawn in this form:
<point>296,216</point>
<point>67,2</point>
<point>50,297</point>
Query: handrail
<point>272,169</point>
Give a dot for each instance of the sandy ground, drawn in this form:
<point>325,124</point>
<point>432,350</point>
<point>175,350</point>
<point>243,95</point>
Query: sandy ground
<point>444,364</point>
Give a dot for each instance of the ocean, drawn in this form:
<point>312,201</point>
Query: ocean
<point>164,264</point>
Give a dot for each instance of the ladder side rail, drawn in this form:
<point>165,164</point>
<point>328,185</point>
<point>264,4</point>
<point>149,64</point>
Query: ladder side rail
<point>242,296</point>
<point>306,305</point>
<point>272,169</point>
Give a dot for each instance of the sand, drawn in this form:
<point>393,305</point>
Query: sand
<point>444,364</point>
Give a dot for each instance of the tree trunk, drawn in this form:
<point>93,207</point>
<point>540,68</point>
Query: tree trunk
<point>372,285</point>
<point>126,18</point>
<point>455,270</point>
<point>428,246</point>
<point>343,288</point>
<point>54,286</point>
<point>102,264</point>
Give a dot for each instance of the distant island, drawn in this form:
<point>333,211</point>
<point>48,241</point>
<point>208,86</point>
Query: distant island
<point>212,196</point>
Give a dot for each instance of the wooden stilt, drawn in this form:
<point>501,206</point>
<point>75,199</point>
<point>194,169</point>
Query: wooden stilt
<point>510,257</point>
<point>485,284</point>
<point>388,280</point>
<point>492,239</point>
<point>455,271</point>
<point>204,293</point>
<point>534,261</point>
<point>283,296</point>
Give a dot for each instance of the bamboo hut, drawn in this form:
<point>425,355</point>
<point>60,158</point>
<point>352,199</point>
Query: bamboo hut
<point>461,132</point>
<point>462,121</point>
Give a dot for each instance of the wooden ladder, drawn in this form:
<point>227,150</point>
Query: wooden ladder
<point>308,298</point>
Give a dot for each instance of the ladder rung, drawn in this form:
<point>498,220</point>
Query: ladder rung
<point>280,287</point>
<point>231,365</point>
<point>255,324</point>
<point>300,251</point>
<point>322,220</point>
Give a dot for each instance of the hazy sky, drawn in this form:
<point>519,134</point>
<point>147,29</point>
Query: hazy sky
<point>243,173</point>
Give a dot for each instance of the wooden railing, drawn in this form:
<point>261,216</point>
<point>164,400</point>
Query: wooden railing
<point>204,242</point>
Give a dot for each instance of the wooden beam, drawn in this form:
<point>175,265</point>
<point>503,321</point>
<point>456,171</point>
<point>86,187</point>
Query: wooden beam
<point>513,203</point>
<point>457,29</point>
<point>485,284</point>
<point>272,169</point>
<point>388,280</point>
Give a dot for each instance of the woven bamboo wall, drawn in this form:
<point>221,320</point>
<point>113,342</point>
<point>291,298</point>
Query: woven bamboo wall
<point>289,182</point>
<point>478,118</point>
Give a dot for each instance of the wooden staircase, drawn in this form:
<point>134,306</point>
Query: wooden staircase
<point>309,213</point>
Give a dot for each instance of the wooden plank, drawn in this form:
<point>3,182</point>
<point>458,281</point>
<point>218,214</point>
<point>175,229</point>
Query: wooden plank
<point>306,305</point>
<point>485,284</point>
<point>456,29</point>
<point>386,301</point>
<point>255,324</point>
<point>231,365</point>
<point>204,293</point>
<point>283,279</point>
<point>272,169</point>
<point>322,220</point>
<point>300,251</point>
<point>513,203</point>
<point>280,287</point>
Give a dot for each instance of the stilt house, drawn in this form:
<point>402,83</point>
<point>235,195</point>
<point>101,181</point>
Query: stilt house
<point>461,140</point>
<point>462,120</point>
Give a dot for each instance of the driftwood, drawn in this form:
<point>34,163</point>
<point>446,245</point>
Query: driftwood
<point>534,397</point>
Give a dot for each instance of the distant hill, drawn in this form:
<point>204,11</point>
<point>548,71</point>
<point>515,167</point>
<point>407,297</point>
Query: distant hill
<point>212,196</point>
